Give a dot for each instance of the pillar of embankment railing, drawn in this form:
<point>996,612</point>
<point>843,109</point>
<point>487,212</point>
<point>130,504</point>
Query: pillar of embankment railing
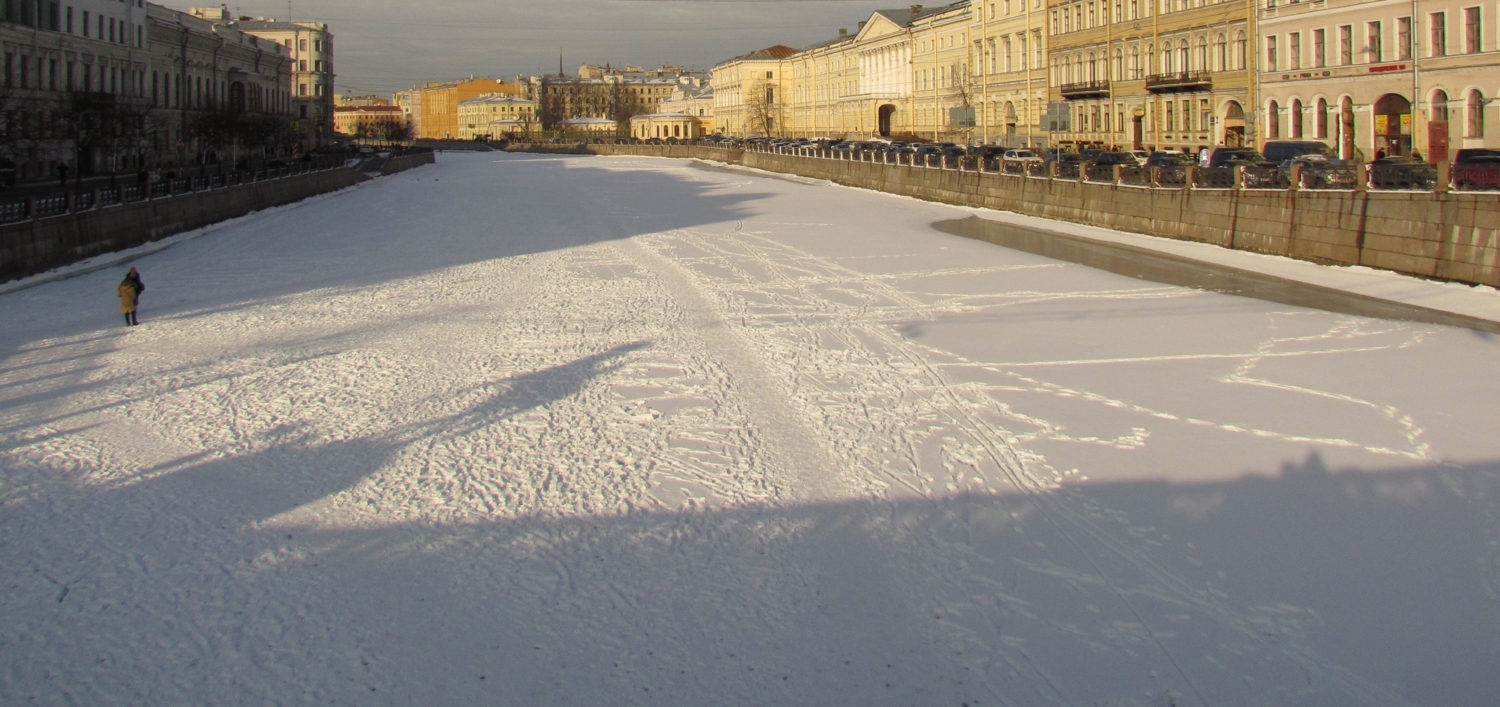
<point>1190,178</point>
<point>1296,180</point>
<point>1444,177</point>
<point>1117,171</point>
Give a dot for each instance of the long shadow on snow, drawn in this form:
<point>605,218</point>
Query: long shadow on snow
<point>1304,586</point>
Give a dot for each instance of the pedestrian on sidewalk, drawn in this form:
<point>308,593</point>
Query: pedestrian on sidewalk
<point>130,296</point>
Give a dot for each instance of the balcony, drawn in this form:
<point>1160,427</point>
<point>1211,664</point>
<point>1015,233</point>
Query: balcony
<point>1183,81</point>
<point>1087,89</point>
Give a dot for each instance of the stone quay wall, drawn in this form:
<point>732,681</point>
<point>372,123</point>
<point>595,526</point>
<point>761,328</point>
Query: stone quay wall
<point>40,244</point>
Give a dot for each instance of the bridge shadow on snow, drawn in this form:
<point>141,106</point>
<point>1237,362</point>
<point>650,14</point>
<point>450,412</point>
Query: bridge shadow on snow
<point>1294,587</point>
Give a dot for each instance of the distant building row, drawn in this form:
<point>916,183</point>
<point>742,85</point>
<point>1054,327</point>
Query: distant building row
<point>1359,75</point>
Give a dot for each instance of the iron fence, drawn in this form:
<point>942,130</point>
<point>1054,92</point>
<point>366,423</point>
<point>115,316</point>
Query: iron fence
<point>1099,173</point>
<point>1213,178</point>
<point>57,204</point>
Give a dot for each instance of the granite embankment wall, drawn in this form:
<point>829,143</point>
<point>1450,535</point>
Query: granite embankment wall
<point>1451,236</point>
<point>35,246</point>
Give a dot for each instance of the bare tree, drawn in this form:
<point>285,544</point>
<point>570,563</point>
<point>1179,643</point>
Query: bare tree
<point>763,113</point>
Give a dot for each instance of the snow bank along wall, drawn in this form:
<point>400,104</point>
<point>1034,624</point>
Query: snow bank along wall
<point>39,245</point>
<point>1451,236</point>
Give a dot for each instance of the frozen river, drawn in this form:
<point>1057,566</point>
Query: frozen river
<point>544,430</point>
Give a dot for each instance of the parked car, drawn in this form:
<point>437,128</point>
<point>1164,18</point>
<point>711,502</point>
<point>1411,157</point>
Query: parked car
<point>1140,156</point>
<point>1169,159</point>
<point>1476,168</point>
<point>1237,157</point>
<point>1281,151</point>
<point>1320,171</point>
<point>1022,155</point>
<point>1114,158</point>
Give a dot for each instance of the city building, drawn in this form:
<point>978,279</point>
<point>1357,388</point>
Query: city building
<point>311,46</point>
<point>216,92</point>
<point>692,98</point>
<point>496,115</point>
<point>1149,75</point>
<point>1381,77</point>
<point>666,125</point>
<point>616,95</point>
<point>356,101</point>
<point>382,122</point>
<point>750,93</point>
<point>964,72</point>
<point>434,106</point>
<point>62,62</point>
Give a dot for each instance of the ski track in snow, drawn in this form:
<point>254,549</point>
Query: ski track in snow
<point>695,437</point>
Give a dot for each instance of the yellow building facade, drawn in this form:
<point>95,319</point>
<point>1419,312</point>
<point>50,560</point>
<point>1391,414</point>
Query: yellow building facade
<point>969,72</point>
<point>1156,74</point>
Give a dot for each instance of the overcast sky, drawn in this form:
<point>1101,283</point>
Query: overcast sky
<point>383,46</point>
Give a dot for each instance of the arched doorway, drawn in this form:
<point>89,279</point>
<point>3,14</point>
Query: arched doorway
<point>1393,124</point>
<point>885,113</point>
<point>1437,127</point>
<point>1234,125</point>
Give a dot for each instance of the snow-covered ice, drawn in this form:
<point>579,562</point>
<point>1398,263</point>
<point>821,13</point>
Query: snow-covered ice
<point>567,430</point>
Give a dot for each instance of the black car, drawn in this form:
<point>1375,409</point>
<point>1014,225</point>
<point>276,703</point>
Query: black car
<point>1237,157</point>
<point>1280,151</point>
<point>1169,159</point>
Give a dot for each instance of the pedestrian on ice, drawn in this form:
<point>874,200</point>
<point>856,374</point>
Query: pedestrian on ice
<point>130,294</point>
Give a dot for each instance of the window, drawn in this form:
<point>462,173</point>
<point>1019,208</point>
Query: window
<point>1373,45</point>
<point>1474,126</point>
<point>1439,106</point>
<point>69,18</point>
<point>1320,50</point>
<point>1294,50</point>
<point>1271,53</point>
<point>1320,120</point>
<point>1241,46</point>
<point>317,45</point>
<point>1295,119</point>
<point>1273,120</point>
<point>85,23</point>
<point>1403,38</point>
<point>1438,22</point>
<point>1472,31</point>
<point>1346,45</point>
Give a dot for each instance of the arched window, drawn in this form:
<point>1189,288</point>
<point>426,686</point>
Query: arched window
<point>1135,62</point>
<point>1273,120</point>
<point>1092,77</point>
<point>1221,50</point>
<point>1439,106</point>
<point>1119,69</point>
<point>1166,59</point>
<point>1239,51</point>
<point>1202,60</point>
<point>1183,64</point>
<point>1295,118</point>
<point>1320,120</point>
<point>1474,126</point>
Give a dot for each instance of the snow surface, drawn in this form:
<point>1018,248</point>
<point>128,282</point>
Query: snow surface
<point>530,430</point>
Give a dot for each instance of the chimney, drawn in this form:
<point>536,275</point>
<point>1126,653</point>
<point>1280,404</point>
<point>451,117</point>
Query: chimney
<point>914,10</point>
<point>843,32</point>
<point>861,26</point>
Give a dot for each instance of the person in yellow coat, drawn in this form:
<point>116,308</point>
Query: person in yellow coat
<point>127,301</point>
